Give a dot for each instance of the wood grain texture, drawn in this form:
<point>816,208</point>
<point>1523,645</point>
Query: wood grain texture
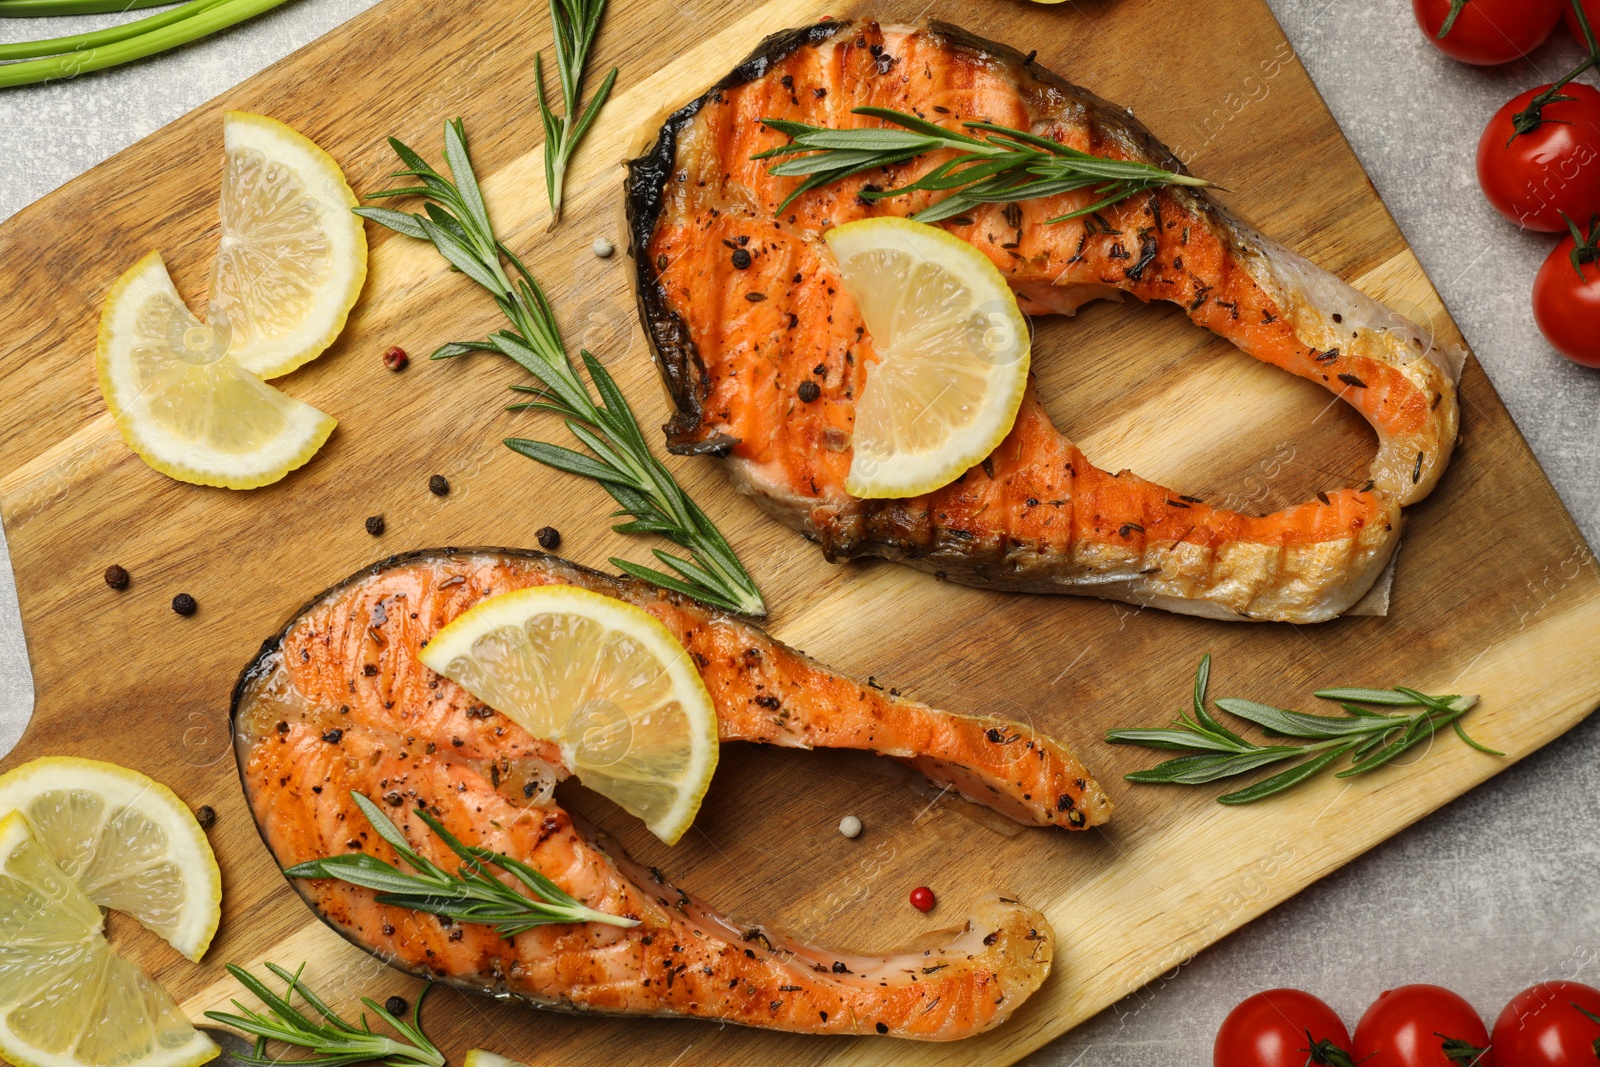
<point>1495,593</point>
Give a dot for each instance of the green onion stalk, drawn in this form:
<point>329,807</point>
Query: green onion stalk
<point>66,57</point>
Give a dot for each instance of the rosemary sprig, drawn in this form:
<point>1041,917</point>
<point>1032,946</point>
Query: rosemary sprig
<point>574,23</point>
<point>471,895</point>
<point>1000,166</point>
<point>456,221</point>
<point>1369,738</point>
<point>334,1041</point>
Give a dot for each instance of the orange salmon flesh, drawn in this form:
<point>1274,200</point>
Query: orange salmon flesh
<point>736,343</point>
<point>340,703</point>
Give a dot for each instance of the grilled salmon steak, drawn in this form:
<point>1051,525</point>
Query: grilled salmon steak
<point>764,353</point>
<point>339,703</point>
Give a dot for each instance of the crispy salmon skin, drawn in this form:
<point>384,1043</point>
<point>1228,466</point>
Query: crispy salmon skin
<point>737,336</point>
<point>339,703</point>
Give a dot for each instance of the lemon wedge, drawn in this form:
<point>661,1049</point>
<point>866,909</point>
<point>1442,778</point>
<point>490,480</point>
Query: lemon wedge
<point>484,1058</point>
<point>603,680</point>
<point>183,403</point>
<point>292,257</point>
<point>953,351</point>
<point>67,1000</point>
<point>188,396</point>
<point>126,841</point>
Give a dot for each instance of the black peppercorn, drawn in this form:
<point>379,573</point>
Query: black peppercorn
<point>395,1006</point>
<point>116,577</point>
<point>374,525</point>
<point>809,391</point>
<point>549,538</point>
<point>438,486</point>
<point>184,604</point>
<point>333,737</point>
<point>206,816</point>
<point>741,259</point>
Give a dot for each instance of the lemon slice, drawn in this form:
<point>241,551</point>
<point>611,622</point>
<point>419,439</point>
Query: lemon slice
<point>126,841</point>
<point>952,348</point>
<point>67,1000</point>
<point>603,680</point>
<point>292,258</point>
<point>183,402</point>
<point>484,1058</point>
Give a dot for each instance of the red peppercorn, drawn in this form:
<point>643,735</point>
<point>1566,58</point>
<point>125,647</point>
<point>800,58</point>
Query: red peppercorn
<point>922,898</point>
<point>395,358</point>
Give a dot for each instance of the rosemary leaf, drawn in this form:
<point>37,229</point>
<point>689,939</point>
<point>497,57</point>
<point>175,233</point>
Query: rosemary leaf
<point>1178,739</point>
<point>1462,733</point>
<point>574,24</point>
<point>1202,681</point>
<point>1196,770</point>
<point>1408,739</point>
<point>1003,165</point>
<point>470,895</point>
<point>1390,697</point>
<point>334,1041</point>
<point>1283,779</point>
<point>1297,724</point>
<point>1370,739</point>
<point>455,220</point>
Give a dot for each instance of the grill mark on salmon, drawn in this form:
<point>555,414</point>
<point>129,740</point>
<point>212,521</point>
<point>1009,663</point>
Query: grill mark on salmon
<point>1036,515</point>
<point>407,737</point>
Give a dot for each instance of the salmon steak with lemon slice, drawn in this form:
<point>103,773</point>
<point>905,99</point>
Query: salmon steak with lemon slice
<point>547,670</point>
<point>771,354</point>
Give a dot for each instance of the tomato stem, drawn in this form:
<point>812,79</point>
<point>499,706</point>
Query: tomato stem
<point>1532,117</point>
<point>1457,1051</point>
<point>1325,1053</point>
<point>1450,19</point>
<point>1591,1016</point>
<point>1584,251</point>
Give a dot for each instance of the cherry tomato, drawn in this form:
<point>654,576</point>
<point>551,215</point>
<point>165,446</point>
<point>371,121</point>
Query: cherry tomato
<point>1278,1028</point>
<point>1421,1026</point>
<point>1542,1027</point>
<point>1591,11</point>
<point>1489,31</point>
<point>1566,305</point>
<point>1531,178</point>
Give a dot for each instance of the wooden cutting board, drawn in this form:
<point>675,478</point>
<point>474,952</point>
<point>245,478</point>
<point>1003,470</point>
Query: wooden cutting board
<point>1495,591</point>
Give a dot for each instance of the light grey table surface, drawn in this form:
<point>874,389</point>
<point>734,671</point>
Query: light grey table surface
<point>1491,894</point>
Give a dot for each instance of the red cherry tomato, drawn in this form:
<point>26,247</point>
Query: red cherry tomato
<point>1591,11</point>
<point>1541,1027</point>
<point>1489,31</point>
<point>1566,305</point>
<point>1278,1028</point>
<point>1531,178</point>
<point>1421,1026</point>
